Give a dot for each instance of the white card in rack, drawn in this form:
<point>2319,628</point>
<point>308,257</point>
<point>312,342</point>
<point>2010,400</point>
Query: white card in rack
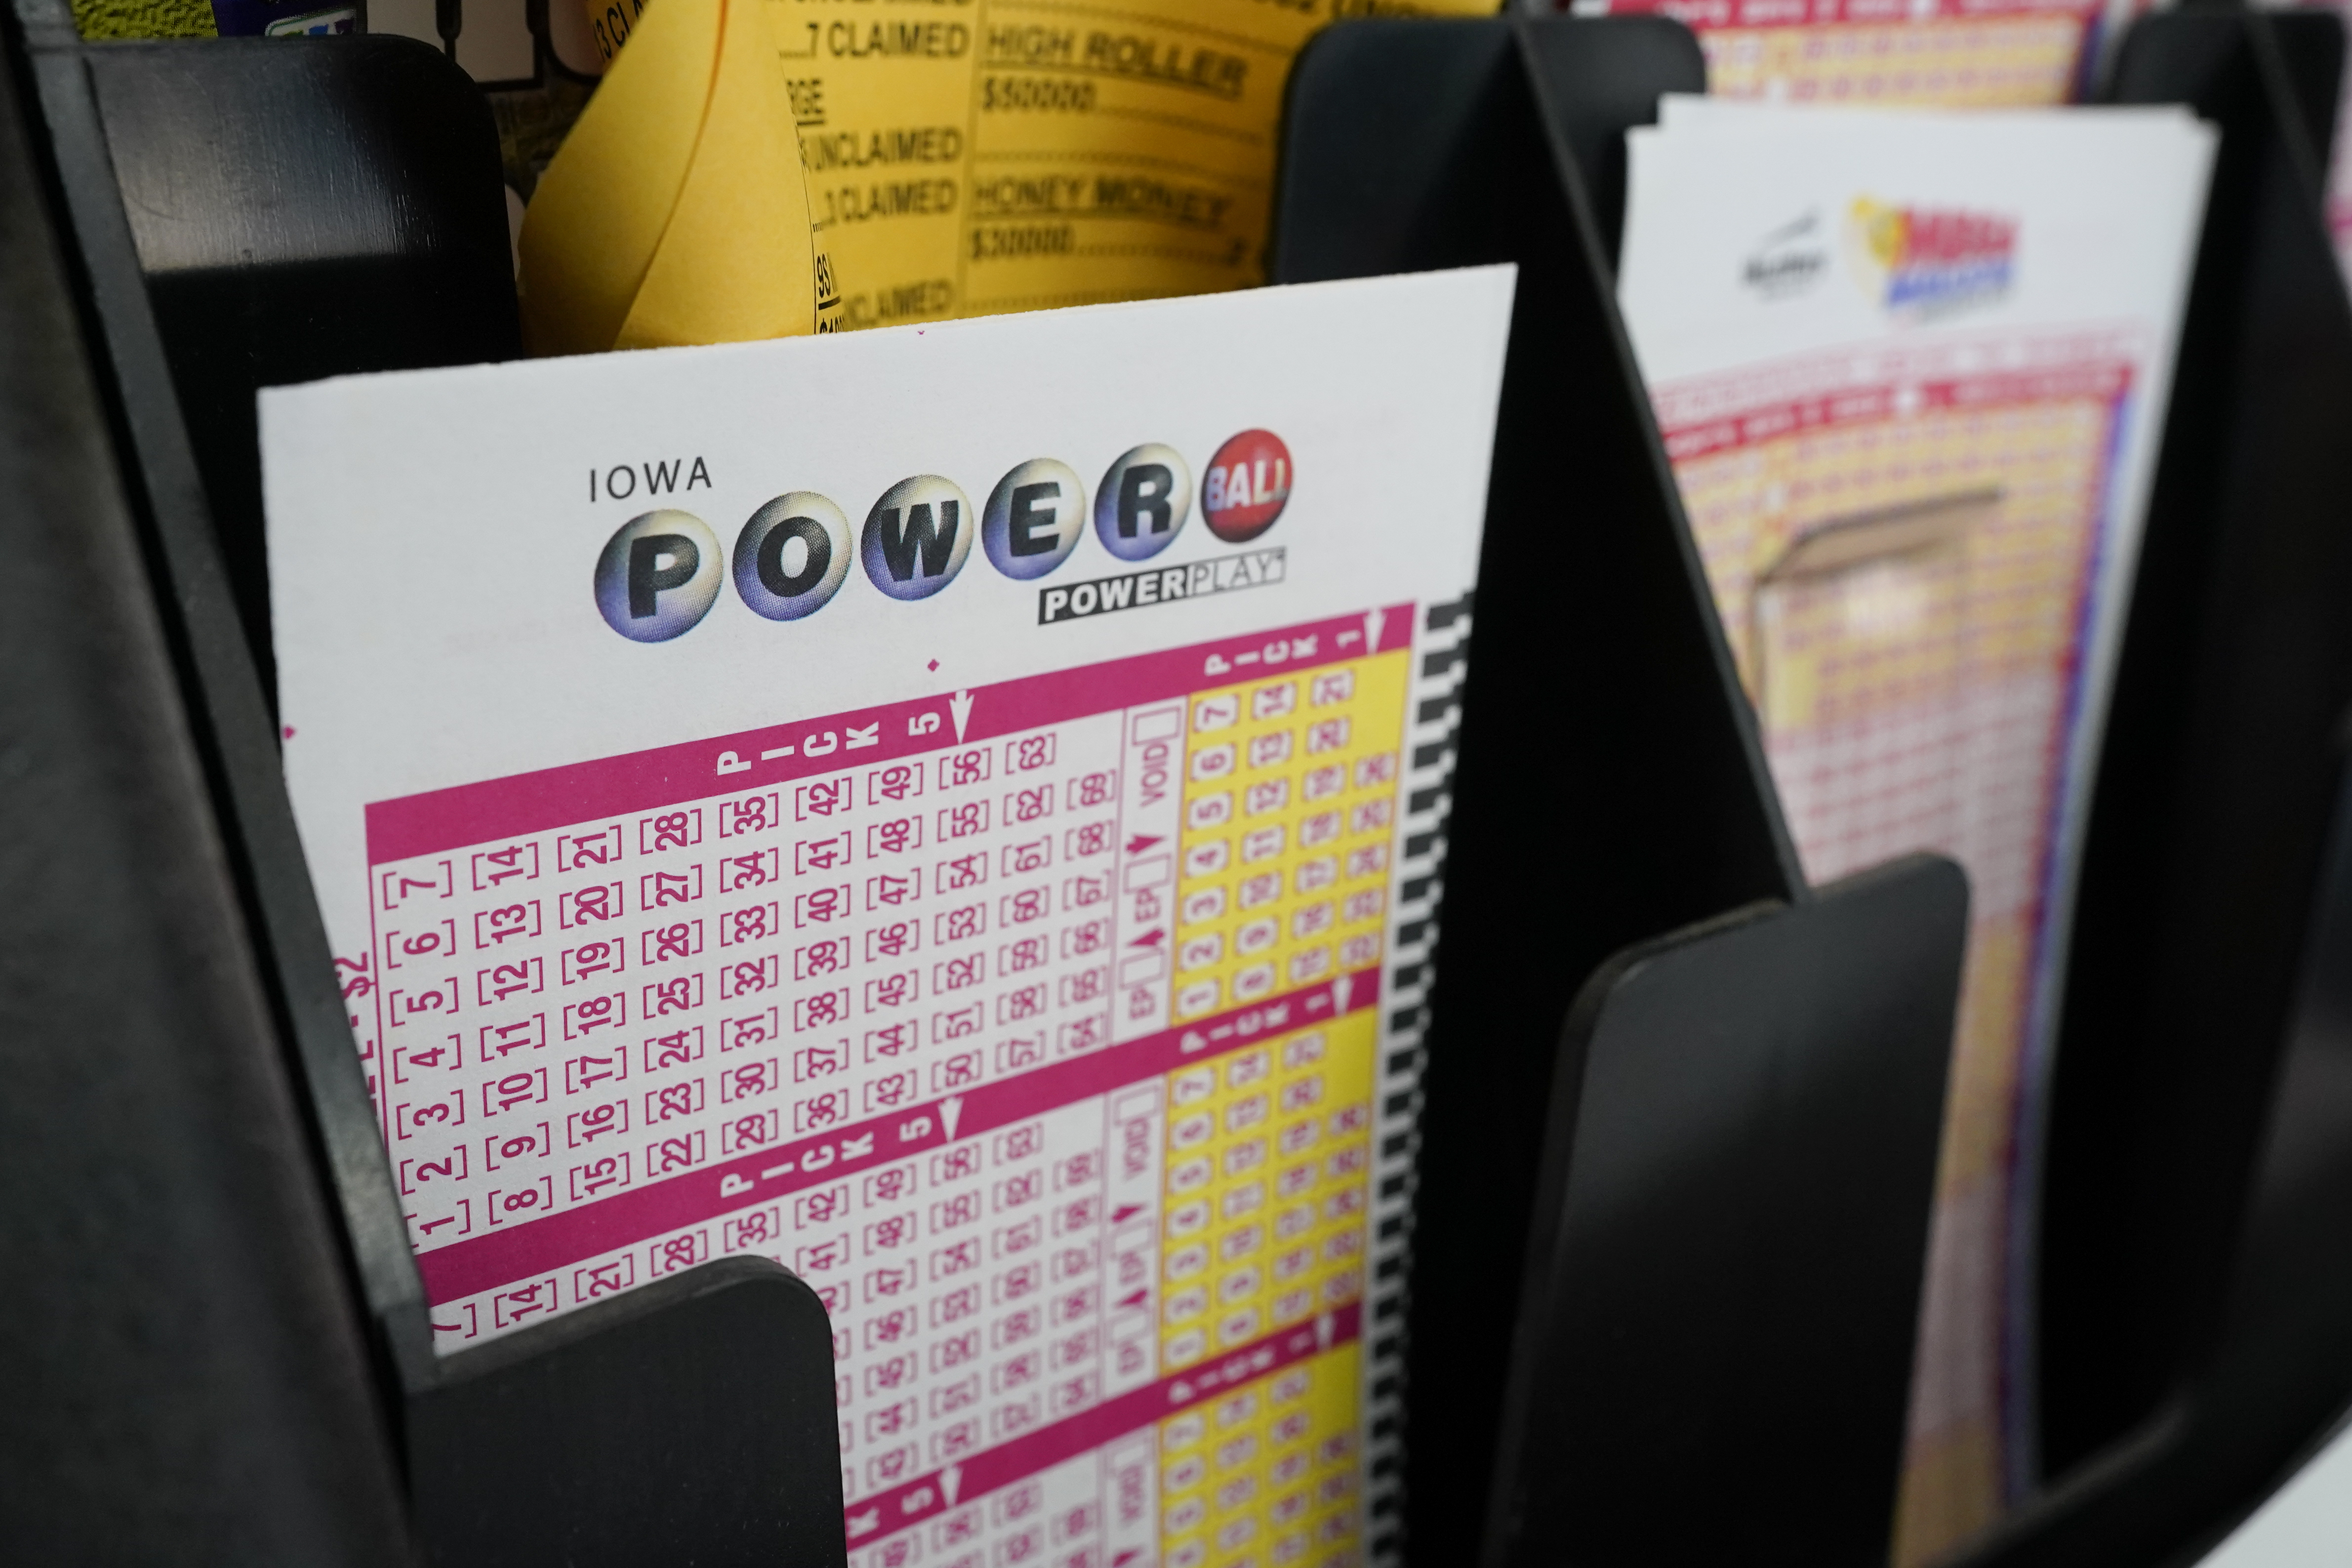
<point>1019,936</point>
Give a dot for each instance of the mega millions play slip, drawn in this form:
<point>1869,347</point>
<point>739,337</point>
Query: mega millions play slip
<point>1911,370</point>
<point>953,810</point>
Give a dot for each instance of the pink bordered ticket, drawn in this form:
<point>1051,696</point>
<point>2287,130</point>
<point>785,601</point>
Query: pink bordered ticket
<point>957,811</point>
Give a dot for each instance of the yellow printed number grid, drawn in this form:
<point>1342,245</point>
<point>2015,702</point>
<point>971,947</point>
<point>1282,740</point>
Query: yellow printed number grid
<point>1291,803</point>
<point>1269,1474</point>
<point>1290,812</point>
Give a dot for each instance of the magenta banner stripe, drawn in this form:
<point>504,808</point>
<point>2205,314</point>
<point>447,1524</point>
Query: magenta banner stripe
<point>522,1251</point>
<point>666,776</point>
<point>990,1468</point>
<point>1860,405</point>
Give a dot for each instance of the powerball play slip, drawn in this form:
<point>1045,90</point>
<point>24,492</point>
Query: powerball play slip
<point>955,810</point>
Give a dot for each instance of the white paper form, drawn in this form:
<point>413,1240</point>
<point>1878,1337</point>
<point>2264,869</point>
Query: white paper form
<point>1910,368</point>
<point>2306,1523</point>
<point>954,810</point>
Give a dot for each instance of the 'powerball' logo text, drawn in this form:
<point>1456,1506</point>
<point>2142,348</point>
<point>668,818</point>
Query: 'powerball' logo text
<point>1928,261</point>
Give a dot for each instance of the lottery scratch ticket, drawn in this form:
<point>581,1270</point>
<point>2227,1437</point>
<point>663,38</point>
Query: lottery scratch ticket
<point>774,799</point>
<point>1910,371</point>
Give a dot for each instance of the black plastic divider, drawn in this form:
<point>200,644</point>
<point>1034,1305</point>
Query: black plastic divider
<point>2195,1291</point>
<point>689,1420</point>
<point>228,709</point>
<point>334,206</point>
<point>1732,1224</point>
<point>2220,762</point>
<point>1611,787</point>
<point>301,213</point>
<point>186,1375</point>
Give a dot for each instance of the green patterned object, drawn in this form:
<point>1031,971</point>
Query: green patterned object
<point>144,18</point>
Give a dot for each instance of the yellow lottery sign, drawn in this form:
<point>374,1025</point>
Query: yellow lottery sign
<point>1020,155</point>
<point>675,213</point>
<point>977,156</point>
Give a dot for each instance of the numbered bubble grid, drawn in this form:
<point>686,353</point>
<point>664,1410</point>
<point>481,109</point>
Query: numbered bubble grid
<point>1290,817</point>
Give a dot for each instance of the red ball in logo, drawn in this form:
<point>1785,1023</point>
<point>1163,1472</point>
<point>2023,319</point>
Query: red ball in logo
<point>1246,487</point>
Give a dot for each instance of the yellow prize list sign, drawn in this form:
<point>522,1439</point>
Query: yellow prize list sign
<point>674,213</point>
<point>957,157</point>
